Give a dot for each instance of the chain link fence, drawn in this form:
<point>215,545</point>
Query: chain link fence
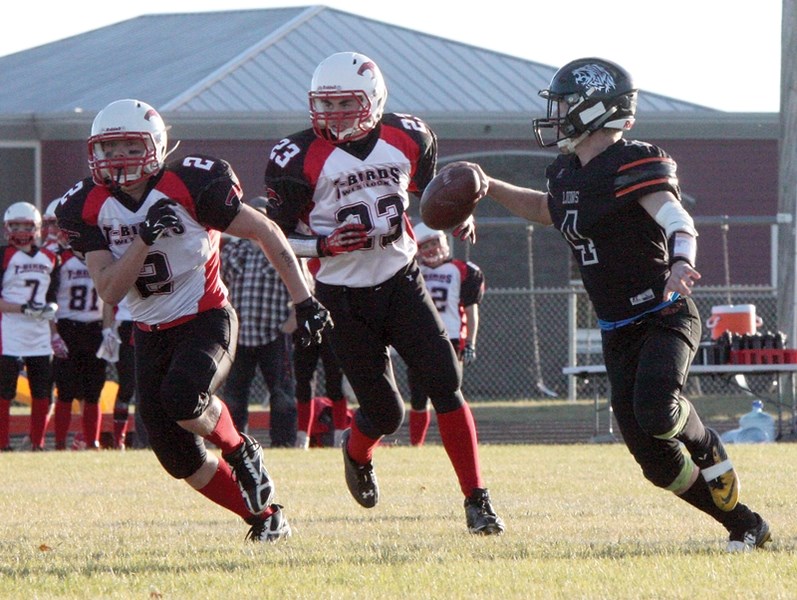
<point>527,334</point>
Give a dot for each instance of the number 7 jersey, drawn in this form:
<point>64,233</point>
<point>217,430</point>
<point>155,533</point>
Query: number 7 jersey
<point>314,187</point>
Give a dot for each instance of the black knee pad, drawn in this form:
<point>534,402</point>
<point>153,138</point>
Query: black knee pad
<point>385,420</point>
<point>185,394</point>
<point>180,452</point>
<point>662,462</point>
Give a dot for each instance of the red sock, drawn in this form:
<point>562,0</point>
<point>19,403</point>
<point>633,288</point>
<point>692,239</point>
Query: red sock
<point>91,424</point>
<point>340,413</point>
<point>225,436</point>
<point>419,425</point>
<point>304,412</point>
<point>361,447</point>
<point>63,417</point>
<point>458,432</point>
<point>39,413</point>
<point>223,490</point>
<point>5,422</point>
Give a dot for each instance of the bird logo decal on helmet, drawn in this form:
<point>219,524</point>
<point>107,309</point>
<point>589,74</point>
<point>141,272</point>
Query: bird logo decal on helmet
<point>594,76</point>
<point>367,66</point>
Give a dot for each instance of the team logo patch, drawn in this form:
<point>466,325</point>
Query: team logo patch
<point>273,197</point>
<point>235,193</point>
<point>594,76</point>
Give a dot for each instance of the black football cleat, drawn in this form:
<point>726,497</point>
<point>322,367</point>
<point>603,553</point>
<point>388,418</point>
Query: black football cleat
<point>749,538</point>
<point>360,479</point>
<point>271,528</point>
<point>480,516</point>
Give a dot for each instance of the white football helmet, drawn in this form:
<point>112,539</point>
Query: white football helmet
<point>22,223</point>
<point>126,120</point>
<point>51,233</point>
<point>433,248</point>
<point>352,77</point>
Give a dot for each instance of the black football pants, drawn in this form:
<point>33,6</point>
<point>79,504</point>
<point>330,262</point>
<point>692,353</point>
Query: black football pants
<point>647,363</point>
<point>398,313</point>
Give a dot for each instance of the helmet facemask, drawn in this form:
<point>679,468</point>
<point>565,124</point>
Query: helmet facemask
<point>49,229</point>
<point>344,125</point>
<point>434,252</point>
<point>115,171</point>
<point>126,123</point>
<point>22,222</point>
<point>347,97</point>
<point>21,234</point>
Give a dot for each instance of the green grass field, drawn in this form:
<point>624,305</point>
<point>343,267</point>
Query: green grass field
<point>581,523</point>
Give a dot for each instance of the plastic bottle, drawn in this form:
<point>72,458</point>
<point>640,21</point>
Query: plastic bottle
<point>756,426</point>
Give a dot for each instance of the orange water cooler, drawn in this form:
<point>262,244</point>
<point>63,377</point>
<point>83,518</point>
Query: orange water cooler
<point>736,318</point>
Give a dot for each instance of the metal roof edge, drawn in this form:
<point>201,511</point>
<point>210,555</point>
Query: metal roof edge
<point>447,125</point>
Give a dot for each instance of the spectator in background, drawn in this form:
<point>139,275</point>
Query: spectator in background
<point>28,287</point>
<point>82,316</point>
<point>305,364</point>
<point>456,288</point>
<point>263,306</point>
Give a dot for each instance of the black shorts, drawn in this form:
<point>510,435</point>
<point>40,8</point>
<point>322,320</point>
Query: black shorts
<point>177,372</point>
<point>81,375</point>
<point>398,313</point>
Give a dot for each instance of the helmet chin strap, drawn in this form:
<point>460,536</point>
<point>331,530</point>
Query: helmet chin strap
<point>568,145</point>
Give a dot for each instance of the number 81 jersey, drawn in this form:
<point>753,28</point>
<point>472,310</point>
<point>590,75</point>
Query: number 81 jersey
<point>315,186</point>
<point>180,275</point>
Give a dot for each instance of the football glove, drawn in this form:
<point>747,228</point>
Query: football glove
<point>40,312</point>
<point>58,344</point>
<point>468,354</point>
<point>312,319</point>
<point>109,348</point>
<point>160,217</point>
<point>346,238</point>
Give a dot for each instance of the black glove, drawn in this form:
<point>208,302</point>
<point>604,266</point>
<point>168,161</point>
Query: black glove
<point>311,321</point>
<point>160,217</point>
<point>468,354</point>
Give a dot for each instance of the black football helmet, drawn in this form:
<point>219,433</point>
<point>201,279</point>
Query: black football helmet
<point>586,95</point>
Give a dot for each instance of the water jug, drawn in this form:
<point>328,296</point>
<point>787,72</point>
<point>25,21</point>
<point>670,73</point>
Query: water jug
<point>756,426</point>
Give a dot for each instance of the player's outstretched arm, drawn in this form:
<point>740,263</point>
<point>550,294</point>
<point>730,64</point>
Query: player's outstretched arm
<point>525,203</point>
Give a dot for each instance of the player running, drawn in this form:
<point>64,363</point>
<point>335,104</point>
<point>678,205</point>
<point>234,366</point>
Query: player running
<point>340,190</point>
<point>150,233</point>
<point>617,203</point>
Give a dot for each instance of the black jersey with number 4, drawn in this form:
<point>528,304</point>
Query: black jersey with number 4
<point>620,250</point>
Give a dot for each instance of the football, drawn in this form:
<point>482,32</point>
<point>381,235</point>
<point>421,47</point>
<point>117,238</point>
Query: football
<point>450,197</point>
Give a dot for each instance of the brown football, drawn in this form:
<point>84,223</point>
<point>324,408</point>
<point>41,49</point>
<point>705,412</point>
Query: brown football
<point>450,197</point>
